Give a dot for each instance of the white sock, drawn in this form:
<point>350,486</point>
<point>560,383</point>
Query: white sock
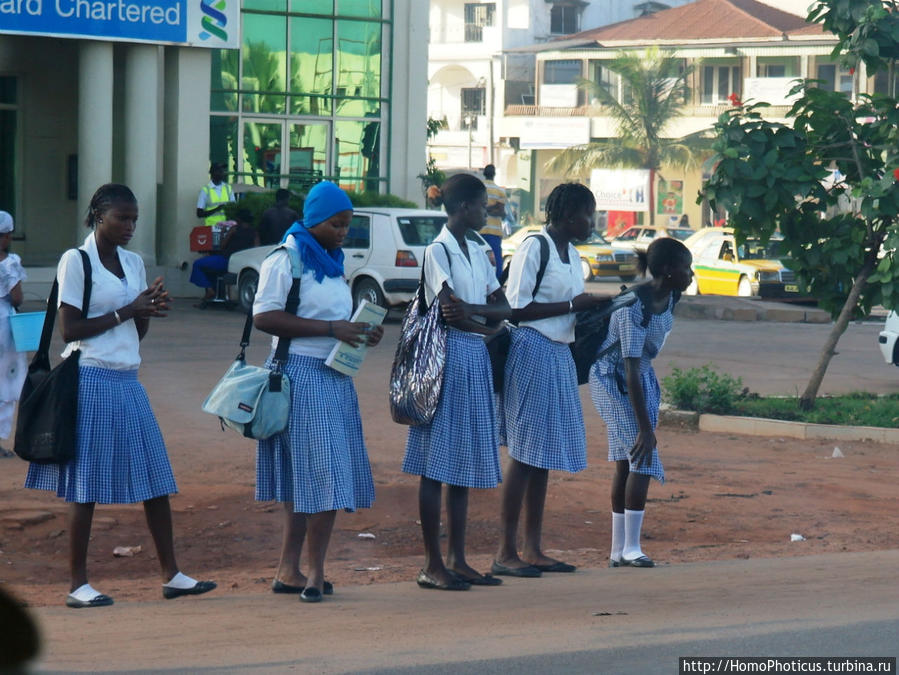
<point>617,536</point>
<point>85,593</point>
<point>633,521</point>
<point>181,581</point>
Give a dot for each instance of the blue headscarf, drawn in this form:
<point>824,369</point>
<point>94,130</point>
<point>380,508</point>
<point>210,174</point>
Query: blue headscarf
<point>324,200</point>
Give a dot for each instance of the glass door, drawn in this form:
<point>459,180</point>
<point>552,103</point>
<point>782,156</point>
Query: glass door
<point>278,151</point>
<point>307,159</point>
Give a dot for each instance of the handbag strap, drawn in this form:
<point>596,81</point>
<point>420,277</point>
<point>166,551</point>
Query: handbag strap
<point>293,302</point>
<point>43,350</point>
<point>422,303</point>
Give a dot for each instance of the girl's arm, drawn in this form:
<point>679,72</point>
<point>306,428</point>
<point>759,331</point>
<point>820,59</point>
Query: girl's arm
<point>151,302</point>
<point>495,311</point>
<point>544,310</point>
<point>16,296</point>
<point>456,313</point>
<point>281,324</point>
<point>641,453</point>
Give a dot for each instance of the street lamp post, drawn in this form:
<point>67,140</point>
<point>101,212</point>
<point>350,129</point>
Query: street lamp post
<point>469,120</point>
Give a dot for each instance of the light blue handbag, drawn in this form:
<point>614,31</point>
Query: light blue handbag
<point>255,401</point>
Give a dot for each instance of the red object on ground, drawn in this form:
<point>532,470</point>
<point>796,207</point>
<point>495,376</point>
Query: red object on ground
<point>201,239</point>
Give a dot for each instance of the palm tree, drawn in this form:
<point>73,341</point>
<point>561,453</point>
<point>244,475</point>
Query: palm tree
<point>654,92</point>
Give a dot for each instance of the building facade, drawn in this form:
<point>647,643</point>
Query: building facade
<point>284,91</point>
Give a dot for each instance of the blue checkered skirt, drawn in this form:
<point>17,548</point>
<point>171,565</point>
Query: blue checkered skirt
<point>120,455</point>
<point>544,423</point>
<point>459,446</point>
<point>319,463</point>
<point>614,407</point>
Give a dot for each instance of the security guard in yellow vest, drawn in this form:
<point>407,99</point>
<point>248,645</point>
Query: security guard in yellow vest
<point>214,196</point>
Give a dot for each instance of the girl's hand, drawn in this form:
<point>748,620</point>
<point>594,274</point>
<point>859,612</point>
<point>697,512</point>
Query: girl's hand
<point>455,310</point>
<point>354,334</point>
<point>589,301</point>
<point>154,301</point>
<point>375,333</point>
<point>641,453</point>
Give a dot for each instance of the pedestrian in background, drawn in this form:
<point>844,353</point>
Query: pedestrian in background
<point>319,464</point>
<point>543,420</point>
<point>276,219</point>
<point>214,196</point>
<point>459,447</point>
<point>626,393</point>
<point>12,363</point>
<point>492,232</point>
<point>120,456</point>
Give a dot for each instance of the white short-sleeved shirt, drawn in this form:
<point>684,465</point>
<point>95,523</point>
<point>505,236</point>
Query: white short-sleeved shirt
<point>561,283</point>
<point>329,300</point>
<point>117,348</point>
<point>203,198</point>
<point>11,273</point>
<point>472,281</point>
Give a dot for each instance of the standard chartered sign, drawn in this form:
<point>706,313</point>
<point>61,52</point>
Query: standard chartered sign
<point>197,23</point>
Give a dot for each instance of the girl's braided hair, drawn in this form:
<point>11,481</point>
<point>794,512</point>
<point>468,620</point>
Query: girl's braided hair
<point>104,198</point>
<point>663,254</point>
<point>567,199</point>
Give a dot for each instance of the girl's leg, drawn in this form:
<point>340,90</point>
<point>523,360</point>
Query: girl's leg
<point>291,547</point>
<point>319,527</point>
<point>534,503</point>
<point>80,519</point>
<point>456,518</point>
<point>619,485</point>
<point>515,483</point>
<point>429,511</point>
<point>634,503</point>
<point>159,520</point>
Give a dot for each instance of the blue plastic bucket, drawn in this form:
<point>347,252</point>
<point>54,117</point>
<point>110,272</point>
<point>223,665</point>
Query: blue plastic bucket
<point>26,330</point>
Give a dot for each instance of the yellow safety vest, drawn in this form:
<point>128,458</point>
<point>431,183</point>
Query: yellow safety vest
<point>213,200</point>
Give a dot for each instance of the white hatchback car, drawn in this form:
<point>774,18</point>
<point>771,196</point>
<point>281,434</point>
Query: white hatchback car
<point>889,339</point>
<point>383,251</point>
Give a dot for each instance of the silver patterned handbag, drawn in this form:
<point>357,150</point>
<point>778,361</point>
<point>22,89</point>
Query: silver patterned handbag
<point>416,378</point>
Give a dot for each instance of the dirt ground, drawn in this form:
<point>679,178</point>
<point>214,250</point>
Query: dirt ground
<point>727,497</point>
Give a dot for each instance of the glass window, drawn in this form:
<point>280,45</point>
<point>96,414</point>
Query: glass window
<point>325,7</point>
<point>420,231</point>
<point>264,66</point>
<point>223,140</point>
<point>308,160</point>
<point>564,19</point>
<point>604,78</point>
<point>561,72</point>
<point>474,101</point>
<point>261,163</point>
<point>266,5</point>
<point>836,78</point>
<point>477,16</point>
<point>8,162</point>
<point>358,67</point>
<point>357,154</point>
<point>311,65</point>
<point>778,67</point>
<point>719,82</point>
<point>8,90</point>
<point>223,92</point>
<point>370,8</point>
<point>359,234</point>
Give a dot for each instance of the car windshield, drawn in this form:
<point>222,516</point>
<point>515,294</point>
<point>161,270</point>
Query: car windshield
<point>753,249</point>
<point>420,230</point>
<point>628,235</point>
<point>593,238</point>
<point>680,233</point>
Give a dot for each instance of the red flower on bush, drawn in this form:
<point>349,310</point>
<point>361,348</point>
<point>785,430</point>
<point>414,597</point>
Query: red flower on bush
<point>896,174</point>
<point>852,71</point>
<point>735,100</point>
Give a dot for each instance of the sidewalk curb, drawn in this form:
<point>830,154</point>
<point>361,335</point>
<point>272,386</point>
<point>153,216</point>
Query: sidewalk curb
<point>761,426</point>
<point>724,308</point>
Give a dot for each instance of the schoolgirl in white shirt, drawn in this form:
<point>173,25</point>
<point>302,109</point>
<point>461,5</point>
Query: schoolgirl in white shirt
<point>543,420</point>
<point>460,446</point>
<point>319,464</point>
<point>120,455</point>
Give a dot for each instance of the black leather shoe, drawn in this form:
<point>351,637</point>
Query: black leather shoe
<point>311,594</point>
<point>198,588</point>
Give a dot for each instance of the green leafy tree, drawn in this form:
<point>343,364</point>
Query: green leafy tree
<point>654,94</point>
<point>829,182</point>
<point>432,175</point>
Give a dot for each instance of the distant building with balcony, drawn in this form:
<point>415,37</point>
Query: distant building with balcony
<point>473,76</point>
<point>740,47</point>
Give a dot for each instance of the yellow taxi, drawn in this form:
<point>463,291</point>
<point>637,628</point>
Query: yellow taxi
<point>721,267</point>
<point>598,257</point>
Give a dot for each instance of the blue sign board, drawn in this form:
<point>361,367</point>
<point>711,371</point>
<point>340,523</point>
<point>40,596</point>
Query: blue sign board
<point>198,23</point>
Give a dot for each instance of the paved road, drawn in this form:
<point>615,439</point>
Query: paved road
<point>607,621</point>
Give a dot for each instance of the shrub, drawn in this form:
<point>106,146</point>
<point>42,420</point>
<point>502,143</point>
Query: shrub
<point>702,389</point>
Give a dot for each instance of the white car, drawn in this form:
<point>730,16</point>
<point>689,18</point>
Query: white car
<point>889,339</point>
<point>383,252</point>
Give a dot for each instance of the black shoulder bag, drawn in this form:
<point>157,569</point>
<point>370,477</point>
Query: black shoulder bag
<point>48,406</point>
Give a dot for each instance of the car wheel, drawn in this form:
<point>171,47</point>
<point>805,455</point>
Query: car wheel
<point>246,288</point>
<point>585,269</point>
<point>744,288</point>
<point>627,278</point>
<point>693,288</point>
<point>368,289</point>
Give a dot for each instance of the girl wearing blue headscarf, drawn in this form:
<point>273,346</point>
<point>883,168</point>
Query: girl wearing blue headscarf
<point>319,464</point>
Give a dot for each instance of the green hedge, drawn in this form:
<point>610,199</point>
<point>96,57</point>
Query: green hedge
<point>258,202</point>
